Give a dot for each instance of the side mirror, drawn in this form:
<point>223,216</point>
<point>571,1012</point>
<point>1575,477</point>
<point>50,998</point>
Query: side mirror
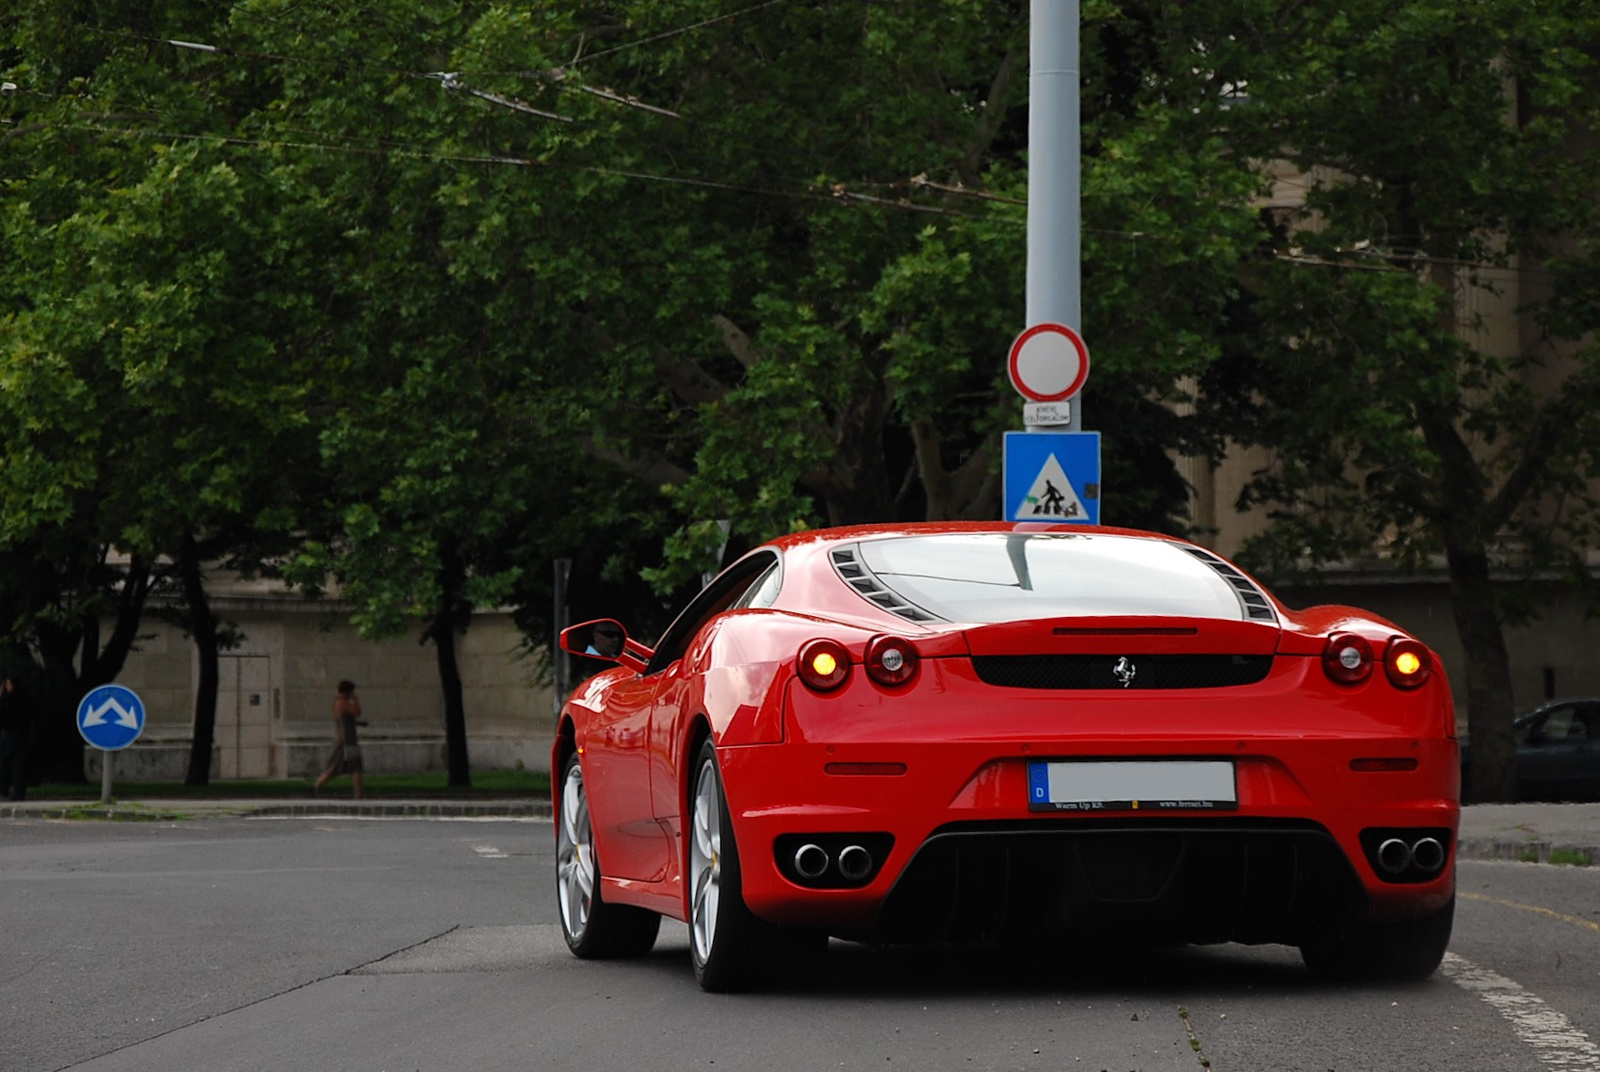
<point>603,638</point>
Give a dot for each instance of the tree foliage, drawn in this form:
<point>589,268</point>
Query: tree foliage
<point>414,296</point>
<point>1449,158</point>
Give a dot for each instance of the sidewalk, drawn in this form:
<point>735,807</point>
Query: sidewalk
<point>279,807</point>
<point>1531,832</point>
<point>1542,833</point>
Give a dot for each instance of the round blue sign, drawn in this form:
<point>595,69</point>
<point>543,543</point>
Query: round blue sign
<point>111,717</point>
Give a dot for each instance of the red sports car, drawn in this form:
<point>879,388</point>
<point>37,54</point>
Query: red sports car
<point>990,732</point>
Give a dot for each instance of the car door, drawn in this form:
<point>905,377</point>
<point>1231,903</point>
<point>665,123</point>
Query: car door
<point>631,844</point>
<point>1587,782</point>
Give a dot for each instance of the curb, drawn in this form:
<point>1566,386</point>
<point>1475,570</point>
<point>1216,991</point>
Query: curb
<point>1528,852</point>
<point>176,811</point>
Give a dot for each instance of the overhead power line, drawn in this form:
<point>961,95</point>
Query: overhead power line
<point>835,194</point>
<point>679,31</point>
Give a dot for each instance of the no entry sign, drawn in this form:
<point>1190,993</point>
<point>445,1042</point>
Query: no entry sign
<point>1048,363</point>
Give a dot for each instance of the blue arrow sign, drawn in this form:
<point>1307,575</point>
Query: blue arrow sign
<point>1052,476</point>
<point>111,717</point>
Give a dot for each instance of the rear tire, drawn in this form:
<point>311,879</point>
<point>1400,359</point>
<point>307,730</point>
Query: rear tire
<point>594,930</point>
<point>1398,951</point>
<point>731,948</point>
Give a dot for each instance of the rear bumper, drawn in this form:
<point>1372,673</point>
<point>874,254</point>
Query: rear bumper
<point>1155,883</point>
<point>968,860</point>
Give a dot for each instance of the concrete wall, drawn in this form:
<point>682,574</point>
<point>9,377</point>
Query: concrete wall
<point>274,716</point>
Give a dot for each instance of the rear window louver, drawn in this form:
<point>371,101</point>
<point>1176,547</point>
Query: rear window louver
<point>851,570</point>
<point>1256,605</point>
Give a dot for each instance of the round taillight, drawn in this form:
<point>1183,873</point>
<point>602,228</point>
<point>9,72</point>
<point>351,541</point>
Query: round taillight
<point>824,664</point>
<point>1407,663</point>
<point>890,660</point>
<point>1347,659</point>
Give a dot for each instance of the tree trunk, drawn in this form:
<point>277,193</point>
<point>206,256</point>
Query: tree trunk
<point>203,627</point>
<point>57,744</point>
<point>443,631</point>
<point>74,662</point>
<point>1490,706</point>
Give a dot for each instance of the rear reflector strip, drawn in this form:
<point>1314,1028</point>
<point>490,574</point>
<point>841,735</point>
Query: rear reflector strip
<point>1392,763</point>
<point>864,768</point>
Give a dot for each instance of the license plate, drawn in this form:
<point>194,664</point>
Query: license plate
<point>1131,785</point>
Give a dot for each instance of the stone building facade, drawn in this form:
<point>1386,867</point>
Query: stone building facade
<point>275,697</point>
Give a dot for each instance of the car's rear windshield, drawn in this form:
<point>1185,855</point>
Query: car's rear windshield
<point>998,576</point>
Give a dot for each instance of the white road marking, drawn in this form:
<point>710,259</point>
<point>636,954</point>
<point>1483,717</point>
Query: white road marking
<point>1551,1035</point>
<point>489,852</point>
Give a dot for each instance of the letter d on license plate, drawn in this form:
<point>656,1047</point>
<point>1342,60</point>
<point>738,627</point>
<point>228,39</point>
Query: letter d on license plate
<point>1131,785</point>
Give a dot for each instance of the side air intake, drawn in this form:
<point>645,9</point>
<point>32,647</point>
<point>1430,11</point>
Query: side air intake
<point>853,572</point>
<point>1257,606</point>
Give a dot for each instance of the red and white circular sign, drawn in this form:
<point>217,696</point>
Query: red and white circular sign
<point>1048,363</point>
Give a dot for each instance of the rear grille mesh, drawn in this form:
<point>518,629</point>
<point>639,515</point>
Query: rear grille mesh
<point>1138,671</point>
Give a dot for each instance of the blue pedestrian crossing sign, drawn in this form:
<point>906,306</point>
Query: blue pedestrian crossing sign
<point>111,717</point>
<point>1052,476</point>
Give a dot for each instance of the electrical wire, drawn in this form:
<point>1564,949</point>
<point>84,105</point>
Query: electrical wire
<point>401,150</point>
<point>842,192</point>
<point>680,30</point>
<point>454,82</point>
<point>836,194</point>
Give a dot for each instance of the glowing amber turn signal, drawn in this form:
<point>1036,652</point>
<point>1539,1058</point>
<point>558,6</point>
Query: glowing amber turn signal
<point>823,664</point>
<point>1407,663</point>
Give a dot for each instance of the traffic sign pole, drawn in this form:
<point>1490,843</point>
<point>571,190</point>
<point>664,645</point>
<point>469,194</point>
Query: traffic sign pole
<point>110,718</point>
<point>1054,276</point>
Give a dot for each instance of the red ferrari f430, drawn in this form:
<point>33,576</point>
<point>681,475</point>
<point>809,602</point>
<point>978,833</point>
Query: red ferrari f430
<point>998,733</point>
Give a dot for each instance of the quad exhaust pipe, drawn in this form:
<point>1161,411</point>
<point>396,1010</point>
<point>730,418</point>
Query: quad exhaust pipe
<point>1394,855</point>
<point>855,863</point>
<point>811,862</point>
<point>1425,854</point>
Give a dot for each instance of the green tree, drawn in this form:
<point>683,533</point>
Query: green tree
<point>155,363</point>
<point>1448,155</point>
<point>796,248</point>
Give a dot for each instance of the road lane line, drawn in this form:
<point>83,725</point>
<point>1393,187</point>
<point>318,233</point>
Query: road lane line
<point>1551,1035</point>
<point>489,852</point>
<point>1552,913</point>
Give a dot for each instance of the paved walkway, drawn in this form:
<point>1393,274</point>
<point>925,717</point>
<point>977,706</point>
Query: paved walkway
<point>1543,833</point>
<point>309,807</point>
<point>1559,833</point>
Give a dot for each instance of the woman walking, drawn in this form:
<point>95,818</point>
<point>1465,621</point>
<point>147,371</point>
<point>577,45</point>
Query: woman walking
<point>346,757</point>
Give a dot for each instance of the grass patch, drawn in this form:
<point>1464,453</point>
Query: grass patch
<point>1572,857</point>
<point>428,785</point>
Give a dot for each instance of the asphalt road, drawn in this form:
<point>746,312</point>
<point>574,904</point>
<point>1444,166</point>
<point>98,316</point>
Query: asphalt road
<point>402,944</point>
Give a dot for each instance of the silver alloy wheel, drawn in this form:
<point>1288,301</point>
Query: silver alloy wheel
<point>575,857</point>
<point>705,861</point>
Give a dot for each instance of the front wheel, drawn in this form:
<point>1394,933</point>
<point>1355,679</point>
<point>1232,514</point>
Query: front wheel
<point>593,929</point>
<point>1398,951</point>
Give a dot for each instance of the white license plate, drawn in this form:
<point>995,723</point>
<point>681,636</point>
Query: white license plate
<point>1131,785</point>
